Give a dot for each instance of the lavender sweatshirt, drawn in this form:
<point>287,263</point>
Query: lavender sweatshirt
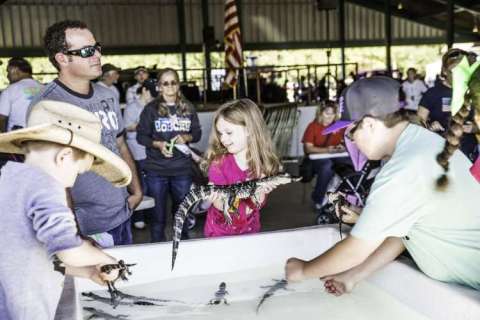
<point>35,224</point>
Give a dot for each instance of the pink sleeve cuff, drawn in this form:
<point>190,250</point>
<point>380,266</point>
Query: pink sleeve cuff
<point>475,169</point>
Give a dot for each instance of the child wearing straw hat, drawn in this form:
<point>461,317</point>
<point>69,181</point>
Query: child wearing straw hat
<point>60,142</point>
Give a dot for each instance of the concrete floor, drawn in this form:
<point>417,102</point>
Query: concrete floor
<point>288,206</point>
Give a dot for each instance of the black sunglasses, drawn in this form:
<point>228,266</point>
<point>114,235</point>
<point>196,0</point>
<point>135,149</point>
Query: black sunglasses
<point>85,52</point>
<point>171,83</point>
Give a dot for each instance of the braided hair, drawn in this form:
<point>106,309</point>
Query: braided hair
<point>455,130</point>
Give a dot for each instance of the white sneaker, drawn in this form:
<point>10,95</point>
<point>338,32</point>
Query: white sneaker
<point>139,224</point>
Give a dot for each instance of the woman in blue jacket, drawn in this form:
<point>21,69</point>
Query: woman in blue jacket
<point>165,122</point>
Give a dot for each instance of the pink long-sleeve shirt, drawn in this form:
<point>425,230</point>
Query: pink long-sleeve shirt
<point>222,172</point>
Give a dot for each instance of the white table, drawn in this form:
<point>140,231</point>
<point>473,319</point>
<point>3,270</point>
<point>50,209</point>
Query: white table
<point>401,280</point>
<point>147,203</point>
<point>317,156</point>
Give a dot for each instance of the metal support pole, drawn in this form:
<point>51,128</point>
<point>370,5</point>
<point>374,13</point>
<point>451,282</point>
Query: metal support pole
<point>341,32</point>
<point>206,46</point>
<point>388,35</point>
<point>182,36</point>
<point>450,24</point>
<point>259,91</point>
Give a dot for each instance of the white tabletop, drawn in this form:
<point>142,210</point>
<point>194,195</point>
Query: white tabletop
<point>147,203</point>
<point>317,156</point>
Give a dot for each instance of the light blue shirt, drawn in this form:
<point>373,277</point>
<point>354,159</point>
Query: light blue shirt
<point>442,227</point>
<point>36,223</point>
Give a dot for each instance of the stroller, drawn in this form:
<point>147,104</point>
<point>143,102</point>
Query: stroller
<point>354,184</point>
<point>353,181</point>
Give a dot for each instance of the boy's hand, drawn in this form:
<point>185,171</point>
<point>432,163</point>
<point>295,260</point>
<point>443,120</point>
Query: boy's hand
<point>111,276</point>
<point>348,214</point>
<point>340,283</point>
<point>94,275</point>
<point>294,270</point>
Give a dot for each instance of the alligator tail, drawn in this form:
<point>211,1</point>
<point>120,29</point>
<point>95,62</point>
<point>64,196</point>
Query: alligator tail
<point>196,194</point>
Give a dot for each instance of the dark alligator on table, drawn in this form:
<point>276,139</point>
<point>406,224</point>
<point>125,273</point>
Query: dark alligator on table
<point>135,300</point>
<point>100,314</point>
<point>279,284</point>
<point>232,193</point>
<point>123,295</point>
<point>220,295</point>
<point>123,270</point>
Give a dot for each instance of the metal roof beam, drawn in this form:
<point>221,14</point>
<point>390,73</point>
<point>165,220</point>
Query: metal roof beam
<point>460,6</point>
<point>379,6</point>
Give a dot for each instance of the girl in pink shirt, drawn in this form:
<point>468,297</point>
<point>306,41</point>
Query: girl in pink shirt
<point>240,149</point>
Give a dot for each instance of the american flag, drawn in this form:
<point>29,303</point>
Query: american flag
<point>233,46</point>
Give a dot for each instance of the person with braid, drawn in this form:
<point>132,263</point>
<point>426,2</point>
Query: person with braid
<point>404,209</point>
<point>434,107</point>
<point>462,71</point>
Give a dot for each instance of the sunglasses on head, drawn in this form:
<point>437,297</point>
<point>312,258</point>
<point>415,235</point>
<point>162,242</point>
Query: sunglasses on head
<point>171,83</point>
<point>456,53</point>
<point>85,52</point>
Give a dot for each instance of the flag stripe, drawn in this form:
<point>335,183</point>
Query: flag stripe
<point>233,45</point>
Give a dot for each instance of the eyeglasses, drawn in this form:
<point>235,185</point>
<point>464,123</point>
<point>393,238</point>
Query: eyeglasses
<point>355,126</point>
<point>171,83</point>
<point>85,52</point>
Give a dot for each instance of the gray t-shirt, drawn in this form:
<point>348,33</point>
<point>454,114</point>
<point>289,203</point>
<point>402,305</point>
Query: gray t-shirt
<point>99,206</point>
<point>15,100</point>
<point>131,117</point>
<point>36,223</point>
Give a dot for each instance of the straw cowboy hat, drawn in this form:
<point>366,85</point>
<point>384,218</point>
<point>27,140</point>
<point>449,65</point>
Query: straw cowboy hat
<point>66,124</point>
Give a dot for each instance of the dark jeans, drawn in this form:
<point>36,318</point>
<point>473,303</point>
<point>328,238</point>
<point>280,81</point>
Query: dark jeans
<point>158,186</point>
<point>323,168</point>
<point>141,215</point>
<point>122,234</point>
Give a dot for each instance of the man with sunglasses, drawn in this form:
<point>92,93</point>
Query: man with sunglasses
<point>98,205</point>
<point>404,210</point>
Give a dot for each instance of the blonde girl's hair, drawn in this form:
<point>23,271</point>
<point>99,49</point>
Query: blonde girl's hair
<point>324,106</point>
<point>183,106</point>
<point>261,156</point>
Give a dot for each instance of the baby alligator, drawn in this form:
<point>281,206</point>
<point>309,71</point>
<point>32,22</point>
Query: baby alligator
<point>99,314</point>
<point>232,193</point>
<point>135,300</point>
<point>279,284</point>
<point>220,294</point>
<point>123,270</point>
<point>143,299</point>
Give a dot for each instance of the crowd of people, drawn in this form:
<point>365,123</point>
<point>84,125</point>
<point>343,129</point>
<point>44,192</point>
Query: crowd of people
<point>87,166</point>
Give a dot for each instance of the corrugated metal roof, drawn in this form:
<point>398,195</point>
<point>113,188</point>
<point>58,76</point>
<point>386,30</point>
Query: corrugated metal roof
<point>152,25</point>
